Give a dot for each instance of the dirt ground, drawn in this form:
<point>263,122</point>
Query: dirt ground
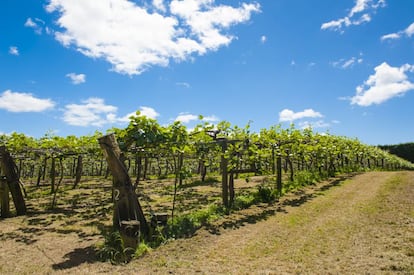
<point>351,225</point>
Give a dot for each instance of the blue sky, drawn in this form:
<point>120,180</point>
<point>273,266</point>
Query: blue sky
<point>76,66</point>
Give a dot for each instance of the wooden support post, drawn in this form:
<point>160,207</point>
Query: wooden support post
<point>79,168</point>
<point>180,168</point>
<point>129,231</point>
<point>4,199</point>
<point>53,175</point>
<point>231,189</point>
<point>126,205</point>
<point>279,175</point>
<point>10,171</point>
<point>224,174</point>
<point>159,219</point>
<point>290,164</point>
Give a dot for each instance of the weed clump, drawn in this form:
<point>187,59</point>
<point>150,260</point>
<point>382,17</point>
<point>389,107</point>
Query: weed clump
<point>113,249</point>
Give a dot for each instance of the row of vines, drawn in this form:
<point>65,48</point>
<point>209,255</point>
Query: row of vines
<point>145,152</point>
<point>152,151</point>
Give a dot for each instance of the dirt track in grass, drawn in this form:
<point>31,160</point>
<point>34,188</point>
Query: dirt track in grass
<point>352,225</point>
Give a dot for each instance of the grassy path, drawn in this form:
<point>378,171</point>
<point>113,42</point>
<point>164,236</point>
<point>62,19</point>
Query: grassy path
<point>361,225</point>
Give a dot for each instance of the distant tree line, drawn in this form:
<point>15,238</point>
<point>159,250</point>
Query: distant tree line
<point>403,150</point>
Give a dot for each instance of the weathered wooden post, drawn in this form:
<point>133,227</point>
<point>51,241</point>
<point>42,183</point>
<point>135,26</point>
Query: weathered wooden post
<point>78,171</point>
<point>279,174</point>
<point>224,174</point>
<point>128,216</point>
<point>4,198</point>
<point>231,189</point>
<point>10,171</point>
<point>53,175</point>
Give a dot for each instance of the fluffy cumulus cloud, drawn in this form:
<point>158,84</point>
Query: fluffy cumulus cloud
<point>408,32</point>
<point>148,112</point>
<point>387,82</point>
<point>187,118</point>
<point>92,112</point>
<point>289,115</point>
<point>23,102</point>
<point>360,13</point>
<point>143,111</point>
<point>76,78</point>
<point>135,35</point>
<point>13,50</point>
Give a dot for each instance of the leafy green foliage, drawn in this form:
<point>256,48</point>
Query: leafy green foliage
<point>404,150</point>
<point>113,249</point>
<point>304,178</point>
<point>244,201</point>
<point>185,225</point>
<point>142,249</point>
<point>265,194</point>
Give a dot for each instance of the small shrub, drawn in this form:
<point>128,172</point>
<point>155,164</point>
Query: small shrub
<point>142,249</point>
<point>185,225</point>
<point>113,249</point>
<point>244,201</point>
<point>303,178</point>
<point>265,194</point>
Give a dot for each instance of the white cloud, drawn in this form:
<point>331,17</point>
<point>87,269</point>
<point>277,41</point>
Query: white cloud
<point>77,78</point>
<point>347,63</point>
<point>23,102</point>
<point>314,125</point>
<point>386,83</point>
<point>186,118</point>
<point>144,111</point>
<point>92,112</point>
<point>30,23</point>
<point>133,38</point>
<point>159,4</point>
<point>360,6</point>
<point>289,115</point>
<point>13,50</point>
<point>390,36</point>
<point>212,118</point>
<point>36,24</point>
<point>409,31</point>
<point>364,7</point>
<point>148,112</point>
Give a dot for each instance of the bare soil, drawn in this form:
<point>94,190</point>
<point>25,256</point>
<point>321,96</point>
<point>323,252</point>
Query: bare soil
<point>362,224</point>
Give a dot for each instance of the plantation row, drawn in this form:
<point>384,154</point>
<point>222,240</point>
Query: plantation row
<point>143,153</point>
<point>154,151</point>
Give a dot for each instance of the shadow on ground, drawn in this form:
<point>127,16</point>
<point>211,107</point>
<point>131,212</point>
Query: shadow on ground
<point>264,211</point>
<point>77,257</point>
